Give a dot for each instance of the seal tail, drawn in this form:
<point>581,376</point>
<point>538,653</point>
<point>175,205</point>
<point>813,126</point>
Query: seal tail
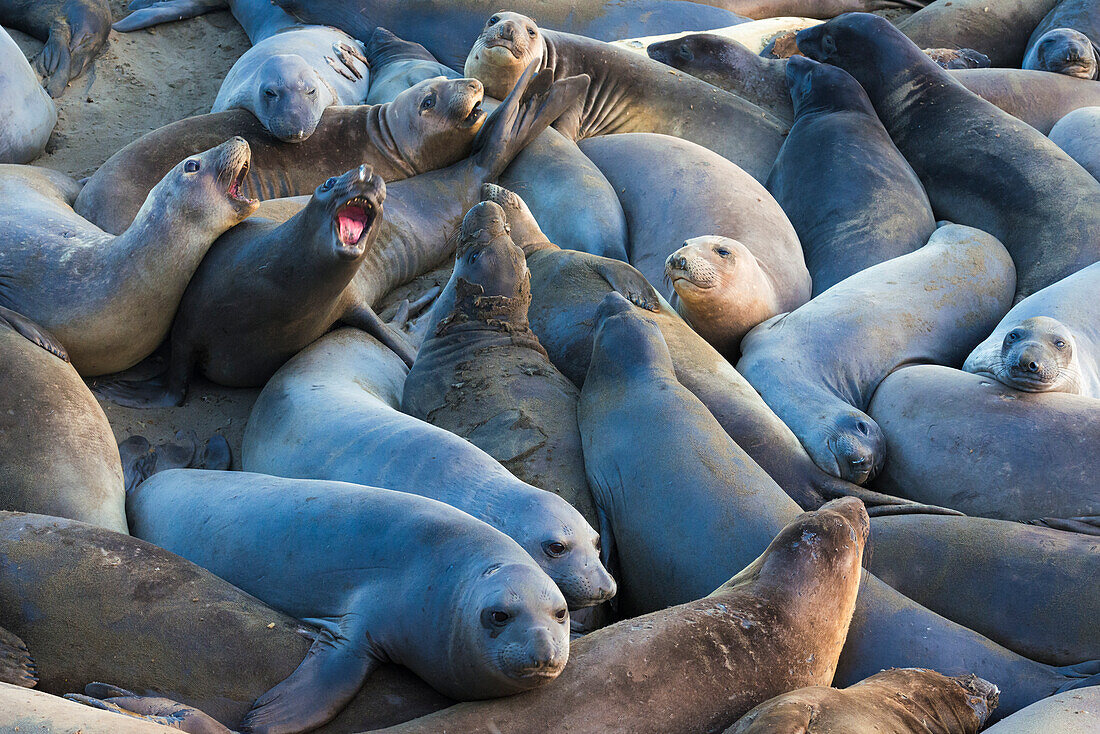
<point>16,664</point>
<point>141,461</point>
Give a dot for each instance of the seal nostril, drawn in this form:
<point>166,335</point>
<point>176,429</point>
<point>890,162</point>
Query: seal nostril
<point>859,461</point>
<point>862,428</point>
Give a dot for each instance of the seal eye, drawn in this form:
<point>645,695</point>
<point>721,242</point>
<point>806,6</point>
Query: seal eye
<point>474,256</point>
<point>1060,344</point>
<point>312,92</point>
<point>270,93</point>
<point>723,252</point>
<point>428,102</point>
<point>560,615</point>
<point>684,50</point>
<point>498,617</point>
<point>328,184</point>
<point>554,548</point>
<point>191,166</point>
<point>1012,336</point>
<point>494,20</point>
<point>531,32</point>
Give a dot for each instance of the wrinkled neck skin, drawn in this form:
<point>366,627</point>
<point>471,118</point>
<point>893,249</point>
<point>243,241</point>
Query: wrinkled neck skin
<point>383,131</point>
<point>479,321</point>
<point>261,19</point>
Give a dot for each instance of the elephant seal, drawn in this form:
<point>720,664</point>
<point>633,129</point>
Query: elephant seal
<point>430,126</point>
<point>1072,712</point>
<point>174,629</point>
<point>900,701</point>
<point>454,600</point>
<point>59,456</point>
<point>1038,98</point>
<point>628,93</point>
<point>888,630</point>
<point>1048,342</point>
<point>673,190</point>
<point>74,31</point>
<point>1079,18</point>
<point>566,289</point>
<point>446,27</point>
<point>928,306</point>
<point>27,114</point>
<point>852,207</point>
<point>969,464</point>
<point>33,711</point>
<point>1077,134</point>
<point>483,375</point>
<point>756,35</point>
<point>551,171</point>
<point>727,65</point>
<point>824,9</point>
<point>1032,197</point>
<point>333,412</point>
<point>999,30</point>
<point>1065,51</point>
<point>777,625</point>
<point>110,300</point>
<point>272,288</point>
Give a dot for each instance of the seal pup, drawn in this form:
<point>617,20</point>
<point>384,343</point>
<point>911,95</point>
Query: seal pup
<point>272,288</point>
<point>777,625</point>
<point>27,114</point>
<point>1074,28</point>
<point>333,412</point>
<point>445,27</point>
<point>552,171</point>
<point>628,93</point>
<point>451,598</point>
<point>1064,51</point>
<point>289,76</point>
<point>928,306</point>
<point>995,452</point>
<point>655,529</point>
<point>110,300</point>
<point>483,375</point>
<point>57,452</point>
<point>1072,712</point>
<point>852,207</point>
<point>1077,134</point>
<point>673,190</point>
<point>1027,193</point>
<point>431,125</point>
<point>74,31</point>
<point>999,30</point>
<point>175,629</point>
<point>899,701</point>
<point>1048,342</point>
<point>566,289</point>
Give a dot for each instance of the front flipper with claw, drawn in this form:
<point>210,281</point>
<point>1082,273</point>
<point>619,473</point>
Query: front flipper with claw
<point>16,665</point>
<point>330,676</point>
<point>27,328</point>
<point>628,283</point>
<point>163,711</point>
<point>154,393</point>
<point>54,61</point>
<point>364,318</point>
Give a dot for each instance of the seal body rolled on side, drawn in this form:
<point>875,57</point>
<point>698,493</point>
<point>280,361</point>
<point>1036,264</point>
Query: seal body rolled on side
<point>1048,342</point>
<point>333,412</point>
<point>853,206</point>
<point>1072,712</point>
<point>27,115</point>
<point>898,701</point>
<point>454,600</point>
<point>271,288</point>
<point>779,622</point>
<point>818,366</point>
<point>995,452</point>
<point>110,300</point>
<point>1078,134</point>
<point>674,191</point>
<point>980,166</point>
<point>446,27</point>
<point>628,93</point>
<point>999,30</point>
<point>483,375</point>
<point>429,126</point>
<point>58,455</point>
<point>174,629</point>
<point>74,31</point>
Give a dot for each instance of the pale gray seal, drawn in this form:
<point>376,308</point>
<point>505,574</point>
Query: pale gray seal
<point>27,114</point>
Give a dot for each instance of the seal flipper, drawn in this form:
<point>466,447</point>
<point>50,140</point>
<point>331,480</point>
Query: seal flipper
<point>628,283</point>
<point>154,12</point>
<point>877,503</point>
<point>1087,525</point>
<point>16,665</point>
<point>163,711</point>
<point>157,392</point>
<point>27,328</point>
<point>333,671</point>
<point>365,319</point>
<point>54,60</point>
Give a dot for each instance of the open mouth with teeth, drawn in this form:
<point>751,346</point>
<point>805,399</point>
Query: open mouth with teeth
<point>475,115</point>
<point>234,190</point>
<point>352,221</point>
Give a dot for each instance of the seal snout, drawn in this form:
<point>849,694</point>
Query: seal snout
<point>360,194</point>
<point>858,448</point>
<point>234,160</point>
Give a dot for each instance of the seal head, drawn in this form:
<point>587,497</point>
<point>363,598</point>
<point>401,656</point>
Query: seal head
<point>1037,355</point>
<point>207,188</point>
<point>292,97</point>
<point>1065,51</point>
<point>507,45</point>
<point>719,285</point>
<point>438,114</point>
<point>487,256</point>
<point>512,630</point>
<point>815,86</point>
<point>352,204</point>
<point>852,443</point>
<point>703,55</point>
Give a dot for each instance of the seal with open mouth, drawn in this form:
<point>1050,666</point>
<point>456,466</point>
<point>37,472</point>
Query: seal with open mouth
<point>110,300</point>
<point>269,288</point>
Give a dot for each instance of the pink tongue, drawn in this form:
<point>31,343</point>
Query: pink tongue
<point>351,224</point>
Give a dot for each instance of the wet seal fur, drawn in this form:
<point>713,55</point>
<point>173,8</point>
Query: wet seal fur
<point>444,594</point>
